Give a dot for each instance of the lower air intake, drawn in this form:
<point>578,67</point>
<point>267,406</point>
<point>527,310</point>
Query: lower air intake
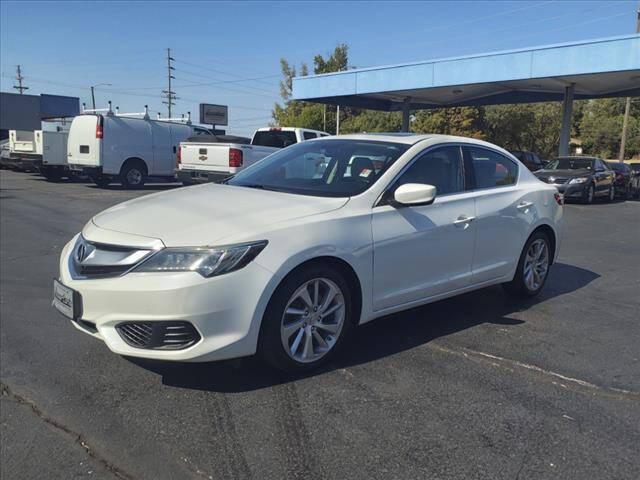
<point>165,335</point>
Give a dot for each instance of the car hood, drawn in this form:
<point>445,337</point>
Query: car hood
<point>208,214</point>
<point>583,172</point>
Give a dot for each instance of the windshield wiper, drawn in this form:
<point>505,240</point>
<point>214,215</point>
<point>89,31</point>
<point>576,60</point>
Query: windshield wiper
<point>260,186</point>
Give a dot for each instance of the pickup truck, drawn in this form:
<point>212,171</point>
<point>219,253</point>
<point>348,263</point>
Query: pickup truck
<point>209,159</point>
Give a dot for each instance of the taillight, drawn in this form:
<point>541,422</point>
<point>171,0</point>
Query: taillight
<point>235,157</point>
<point>179,154</point>
<point>99,130</point>
<point>559,198</point>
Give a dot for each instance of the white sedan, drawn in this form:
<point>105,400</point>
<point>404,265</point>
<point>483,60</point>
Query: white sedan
<point>288,256</point>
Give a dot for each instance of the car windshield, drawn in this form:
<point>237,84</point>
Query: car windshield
<point>618,167</point>
<point>323,168</point>
<point>570,164</point>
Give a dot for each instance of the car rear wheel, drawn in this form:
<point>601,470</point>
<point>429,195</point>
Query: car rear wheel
<point>533,267</point>
<point>308,319</point>
<point>133,174</point>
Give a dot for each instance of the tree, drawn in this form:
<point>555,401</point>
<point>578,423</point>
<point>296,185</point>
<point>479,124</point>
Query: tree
<point>463,121</point>
<point>601,127</point>
<point>293,113</point>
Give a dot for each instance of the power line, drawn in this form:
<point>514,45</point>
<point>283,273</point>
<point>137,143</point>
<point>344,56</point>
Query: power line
<point>168,93</point>
<point>21,88</point>
<point>234,75</point>
<point>195,74</point>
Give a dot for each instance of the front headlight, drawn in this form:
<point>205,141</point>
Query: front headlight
<point>579,180</point>
<point>207,261</point>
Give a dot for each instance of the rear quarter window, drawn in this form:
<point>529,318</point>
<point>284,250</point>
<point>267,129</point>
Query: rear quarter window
<point>491,169</point>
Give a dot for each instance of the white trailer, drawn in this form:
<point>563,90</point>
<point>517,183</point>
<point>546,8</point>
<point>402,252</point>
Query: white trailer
<point>44,150</point>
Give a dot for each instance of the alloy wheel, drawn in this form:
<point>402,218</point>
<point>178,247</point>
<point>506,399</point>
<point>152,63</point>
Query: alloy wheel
<point>312,320</point>
<point>536,265</point>
<point>590,194</point>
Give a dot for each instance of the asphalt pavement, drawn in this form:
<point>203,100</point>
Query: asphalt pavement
<point>478,386</point>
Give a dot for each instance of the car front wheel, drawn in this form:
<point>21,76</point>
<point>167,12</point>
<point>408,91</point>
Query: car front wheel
<point>589,194</point>
<point>533,267</point>
<point>307,320</point>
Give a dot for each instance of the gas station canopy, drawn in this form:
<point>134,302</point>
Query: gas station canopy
<point>608,67</point>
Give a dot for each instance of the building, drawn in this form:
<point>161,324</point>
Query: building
<point>26,112</point>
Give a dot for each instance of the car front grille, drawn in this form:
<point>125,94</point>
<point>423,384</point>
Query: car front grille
<point>98,260</point>
<point>559,181</point>
<point>164,335</point>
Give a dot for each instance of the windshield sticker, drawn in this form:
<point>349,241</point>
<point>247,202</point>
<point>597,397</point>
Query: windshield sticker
<point>365,172</point>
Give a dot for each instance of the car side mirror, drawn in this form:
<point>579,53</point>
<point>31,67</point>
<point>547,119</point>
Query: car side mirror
<point>413,194</point>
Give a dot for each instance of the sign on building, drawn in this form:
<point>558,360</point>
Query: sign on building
<point>214,114</point>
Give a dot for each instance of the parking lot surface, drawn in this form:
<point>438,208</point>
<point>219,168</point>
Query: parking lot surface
<point>478,386</point>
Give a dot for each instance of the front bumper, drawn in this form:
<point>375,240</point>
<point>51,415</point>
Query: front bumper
<point>572,191</point>
<point>225,310</point>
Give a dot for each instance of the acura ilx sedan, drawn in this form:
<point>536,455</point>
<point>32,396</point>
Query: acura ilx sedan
<point>286,258</point>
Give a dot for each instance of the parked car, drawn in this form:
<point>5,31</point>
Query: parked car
<point>580,178</point>
<point>623,178</point>
<point>211,159</point>
<point>126,149</point>
<point>531,160</point>
<point>635,178</point>
<point>285,263</point>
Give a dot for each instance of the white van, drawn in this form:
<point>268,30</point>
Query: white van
<point>112,148</point>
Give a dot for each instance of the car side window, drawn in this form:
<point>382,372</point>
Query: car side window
<point>491,169</point>
<point>441,167</point>
<point>308,135</point>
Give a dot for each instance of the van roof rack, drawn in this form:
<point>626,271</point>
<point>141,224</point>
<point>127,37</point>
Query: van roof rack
<point>109,111</point>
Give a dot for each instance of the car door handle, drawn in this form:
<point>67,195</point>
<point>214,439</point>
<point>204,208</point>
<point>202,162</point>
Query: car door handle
<point>524,206</point>
<point>463,221</point>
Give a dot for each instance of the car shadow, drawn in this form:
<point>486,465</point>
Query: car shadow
<point>377,339</point>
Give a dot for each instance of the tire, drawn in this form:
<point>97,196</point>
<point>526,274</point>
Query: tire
<point>101,181</point>
<point>520,286</point>
<point>133,174</point>
<point>51,174</point>
<point>589,194</point>
<point>271,344</point>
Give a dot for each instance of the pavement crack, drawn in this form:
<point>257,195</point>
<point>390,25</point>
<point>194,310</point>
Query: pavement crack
<point>77,437</point>
<point>510,364</point>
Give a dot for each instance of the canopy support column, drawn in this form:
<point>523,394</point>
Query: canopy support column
<point>567,111</point>
<point>405,114</point>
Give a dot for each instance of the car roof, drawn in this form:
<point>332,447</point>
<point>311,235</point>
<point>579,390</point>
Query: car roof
<point>409,138</point>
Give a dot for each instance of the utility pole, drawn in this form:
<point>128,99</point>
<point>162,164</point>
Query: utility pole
<point>169,94</point>
<point>21,88</point>
<point>338,120</point>
<point>324,118</point>
<point>627,108</point>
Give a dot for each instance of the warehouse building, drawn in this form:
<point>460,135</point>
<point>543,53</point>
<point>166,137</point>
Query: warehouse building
<point>26,112</point>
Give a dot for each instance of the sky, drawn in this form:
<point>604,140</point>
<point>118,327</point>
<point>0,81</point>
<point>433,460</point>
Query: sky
<point>229,52</point>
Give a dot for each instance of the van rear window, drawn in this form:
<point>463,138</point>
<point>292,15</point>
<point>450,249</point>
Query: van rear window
<point>84,148</point>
